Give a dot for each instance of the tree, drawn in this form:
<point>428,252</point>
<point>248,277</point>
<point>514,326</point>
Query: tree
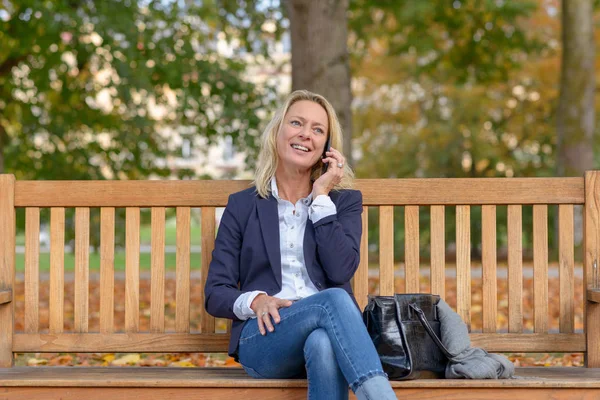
<point>440,91</point>
<point>576,111</point>
<point>320,60</point>
<point>95,90</point>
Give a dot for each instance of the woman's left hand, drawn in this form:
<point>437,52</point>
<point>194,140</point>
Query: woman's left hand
<point>334,174</point>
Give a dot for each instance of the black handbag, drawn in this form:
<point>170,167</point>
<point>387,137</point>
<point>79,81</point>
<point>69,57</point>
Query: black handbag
<point>405,330</point>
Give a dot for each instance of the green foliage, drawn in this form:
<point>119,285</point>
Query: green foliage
<point>455,89</point>
<point>460,40</point>
<point>90,89</point>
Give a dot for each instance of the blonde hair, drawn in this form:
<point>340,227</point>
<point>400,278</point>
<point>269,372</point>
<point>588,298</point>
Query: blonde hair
<point>268,158</point>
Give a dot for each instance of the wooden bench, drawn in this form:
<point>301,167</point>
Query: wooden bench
<point>433,196</point>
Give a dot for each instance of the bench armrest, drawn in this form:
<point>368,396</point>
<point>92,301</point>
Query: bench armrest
<point>593,295</point>
<point>5,296</point>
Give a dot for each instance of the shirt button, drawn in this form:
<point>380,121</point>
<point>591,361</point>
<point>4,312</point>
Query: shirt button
<point>292,245</point>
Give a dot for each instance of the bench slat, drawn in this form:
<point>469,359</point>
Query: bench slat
<point>153,378</point>
<point>386,251</point>
<point>121,342</point>
<point>463,263</point>
<point>132,269</point>
<point>7,266</point>
<point>107,269</point>
<point>82,260</point>
<point>566,260</point>
<point>438,251</point>
<point>157,272</point>
<point>32,274</point>
<point>411,243</point>
<point>360,281</point>
<point>540,268</point>
<point>207,322</point>
<point>218,342</point>
<point>490,281</point>
<point>182,289</point>
<point>57,266</point>
<point>515,269</point>
<point>448,191</point>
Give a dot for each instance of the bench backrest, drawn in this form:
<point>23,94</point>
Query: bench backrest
<point>410,196</point>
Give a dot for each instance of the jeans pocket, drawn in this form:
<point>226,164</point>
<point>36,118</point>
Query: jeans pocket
<point>252,372</point>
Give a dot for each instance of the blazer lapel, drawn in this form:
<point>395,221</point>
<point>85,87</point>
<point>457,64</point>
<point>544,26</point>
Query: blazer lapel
<point>309,245</point>
<point>269,226</point>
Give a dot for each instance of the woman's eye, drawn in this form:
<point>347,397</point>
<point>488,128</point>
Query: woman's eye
<point>294,122</point>
<point>319,130</point>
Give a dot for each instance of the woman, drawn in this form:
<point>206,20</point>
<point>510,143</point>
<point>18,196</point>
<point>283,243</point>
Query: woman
<point>284,255</point>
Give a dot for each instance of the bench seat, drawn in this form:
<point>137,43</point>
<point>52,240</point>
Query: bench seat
<point>215,383</point>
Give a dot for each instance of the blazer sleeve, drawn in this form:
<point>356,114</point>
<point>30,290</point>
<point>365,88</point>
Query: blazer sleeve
<point>221,289</point>
<point>338,238</point>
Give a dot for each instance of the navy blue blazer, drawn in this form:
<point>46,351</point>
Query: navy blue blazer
<point>247,255</point>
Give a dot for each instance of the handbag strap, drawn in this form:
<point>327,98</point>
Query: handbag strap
<point>430,330</point>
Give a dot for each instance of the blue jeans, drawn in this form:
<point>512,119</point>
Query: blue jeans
<point>321,337</point>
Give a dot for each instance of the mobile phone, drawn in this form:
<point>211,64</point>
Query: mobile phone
<point>327,145</point>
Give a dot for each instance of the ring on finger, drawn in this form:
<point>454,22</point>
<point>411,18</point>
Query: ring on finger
<point>263,313</point>
<point>340,165</point>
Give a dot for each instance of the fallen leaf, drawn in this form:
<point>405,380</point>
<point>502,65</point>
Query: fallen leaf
<point>129,359</point>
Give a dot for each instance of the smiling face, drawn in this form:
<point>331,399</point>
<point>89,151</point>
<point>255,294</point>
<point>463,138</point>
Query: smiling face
<point>303,134</point>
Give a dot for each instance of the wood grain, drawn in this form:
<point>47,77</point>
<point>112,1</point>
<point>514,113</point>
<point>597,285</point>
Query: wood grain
<point>6,296</point>
<point>515,269</point>
<point>386,250</point>
<point>593,295</point>
<point>132,269</point>
<point>32,269</point>
<point>157,273</point>
<point>376,192</point>
<point>182,280</point>
<point>235,378</point>
<point>207,322</point>
<point>107,269</point>
<point>291,393</point>
<point>360,282</point>
<point>490,284</point>
<point>82,268</point>
<point>463,263</point>
<point>566,260</point>
<point>411,249</point>
<point>7,266</point>
<point>57,269</point>
<point>438,251</point>
<point>592,255</point>
<point>540,268</point>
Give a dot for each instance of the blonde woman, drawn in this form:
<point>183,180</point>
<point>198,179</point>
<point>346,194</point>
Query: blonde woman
<point>284,255</point>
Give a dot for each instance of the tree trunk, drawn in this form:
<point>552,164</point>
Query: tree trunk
<point>320,63</point>
<point>575,116</point>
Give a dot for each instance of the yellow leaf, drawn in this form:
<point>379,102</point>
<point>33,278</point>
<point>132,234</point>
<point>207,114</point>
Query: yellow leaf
<point>35,361</point>
<point>129,359</point>
<point>109,357</point>
<point>184,363</point>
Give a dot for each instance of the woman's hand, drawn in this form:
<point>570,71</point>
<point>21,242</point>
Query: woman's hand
<point>265,307</point>
<point>334,174</point>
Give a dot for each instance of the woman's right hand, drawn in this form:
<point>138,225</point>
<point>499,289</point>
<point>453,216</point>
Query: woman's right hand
<point>265,307</point>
